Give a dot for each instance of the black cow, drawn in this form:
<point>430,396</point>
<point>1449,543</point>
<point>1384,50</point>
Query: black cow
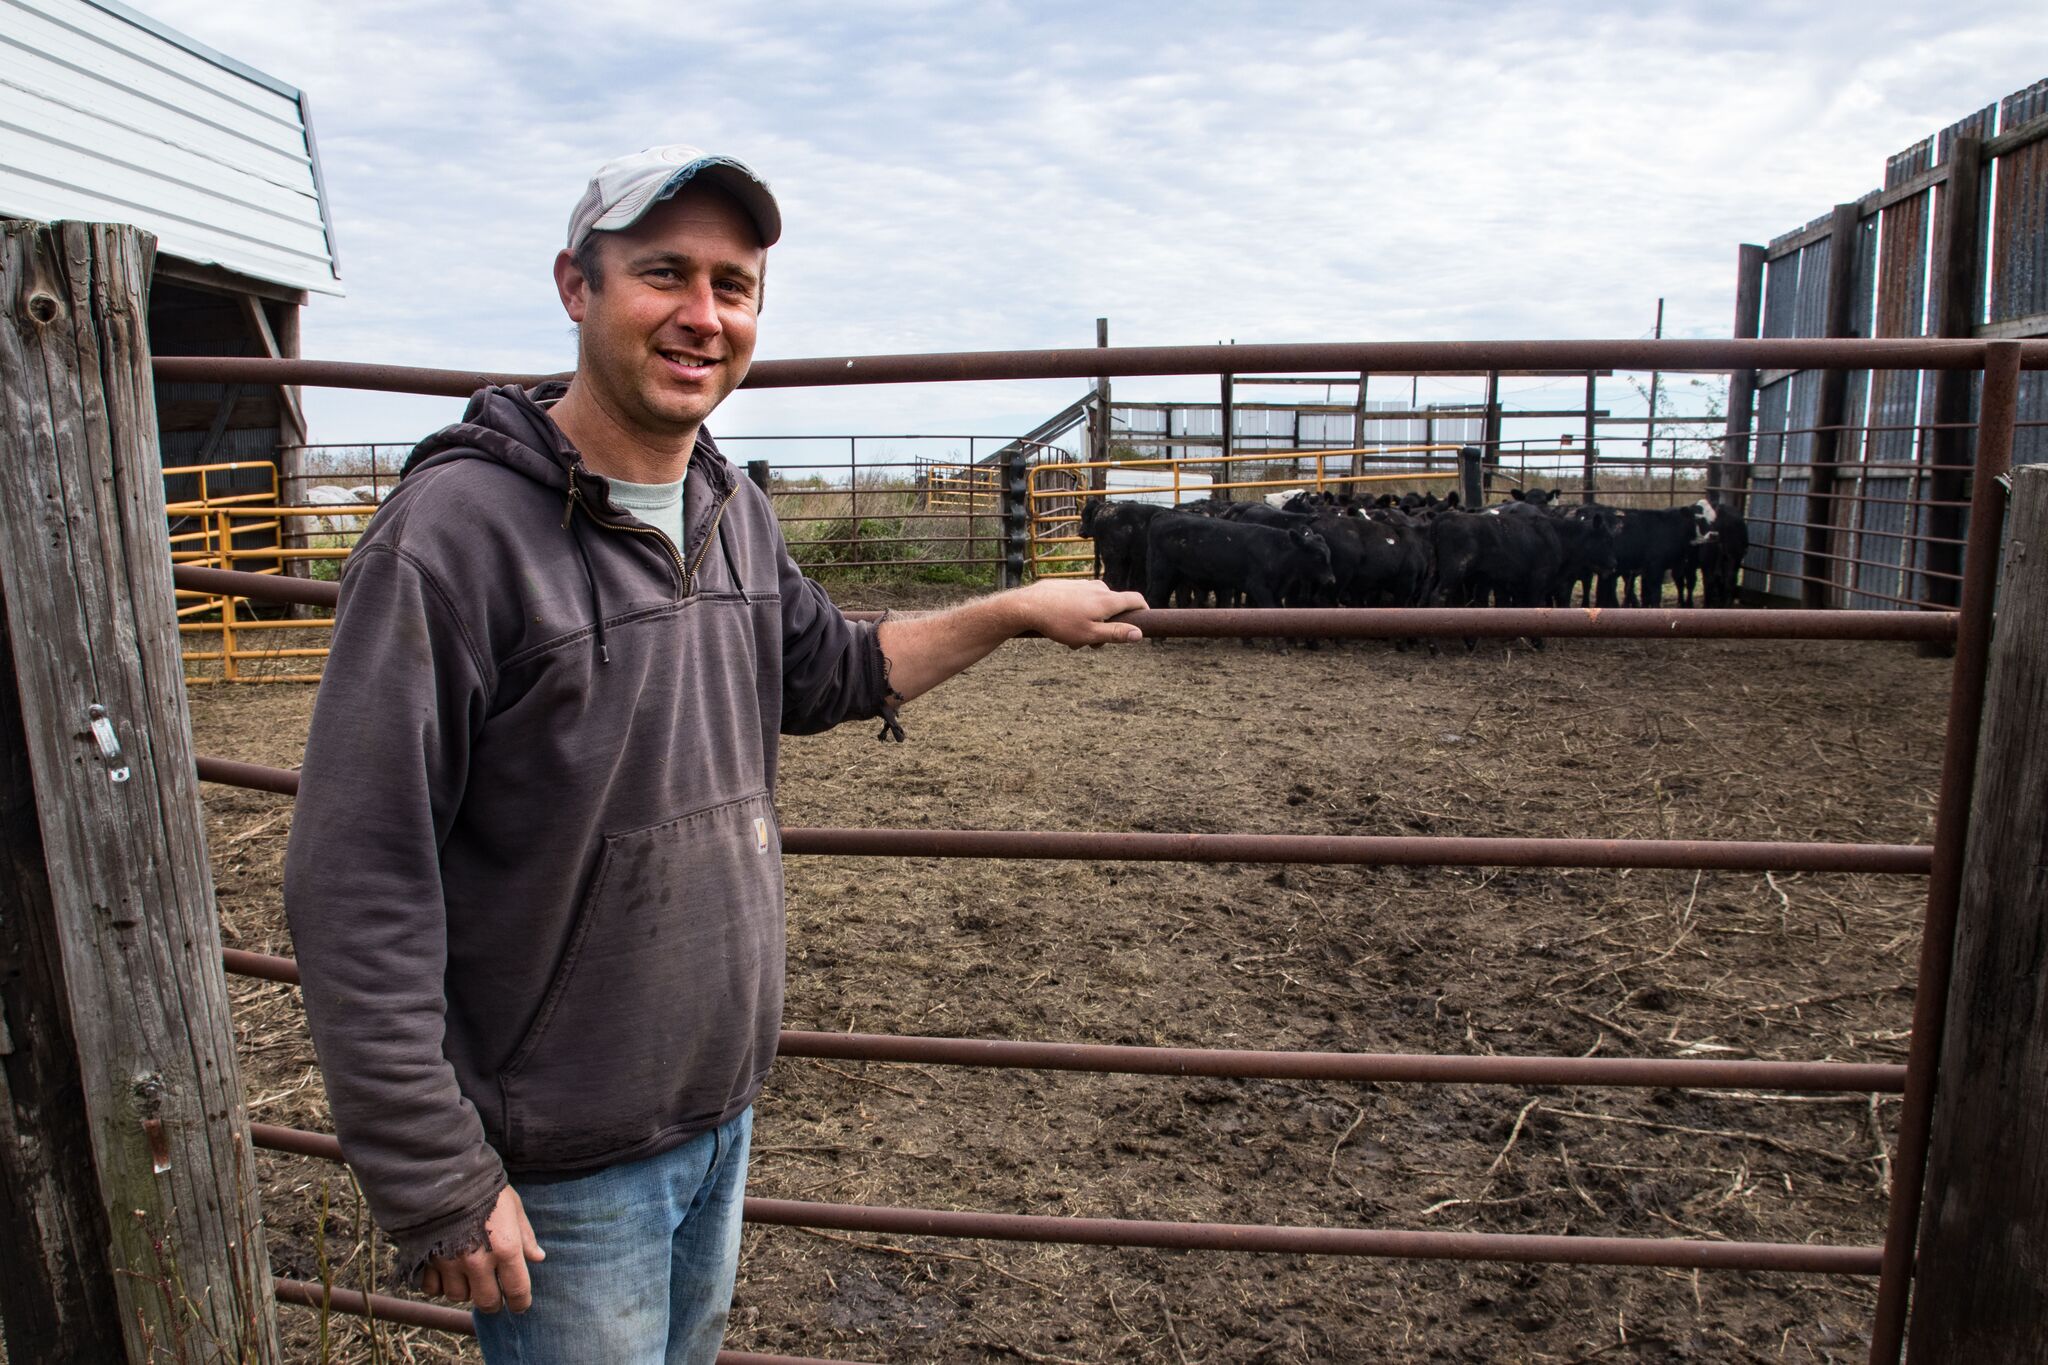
<point>1586,544</point>
<point>1378,562</point>
<point>1721,539</point>
<point>1513,561</point>
<point>1259,514</point>
<point>1267,565</point>
<point>1649,543</point>
<point>1118,530</point>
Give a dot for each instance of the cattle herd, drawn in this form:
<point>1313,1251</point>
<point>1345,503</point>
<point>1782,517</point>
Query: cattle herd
<point>1305,549</point>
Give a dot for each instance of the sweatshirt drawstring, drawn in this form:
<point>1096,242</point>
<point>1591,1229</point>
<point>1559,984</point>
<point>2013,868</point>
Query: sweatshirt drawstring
<point>732,568</point>
<point>604,654</point>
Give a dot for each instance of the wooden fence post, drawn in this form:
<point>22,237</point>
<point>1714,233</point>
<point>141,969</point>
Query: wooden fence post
<point>1099,432</point>
<point>1749,316</point>
<point>1956,277</point>
<point>1591,457</point>
<point>1225,469</point>
<point>1818,555</point>
<point>1014,500</point>
<point>1471,461</point>
<point>123,1139</point>
<point>1978,1292</point>
<point>1490,428</point>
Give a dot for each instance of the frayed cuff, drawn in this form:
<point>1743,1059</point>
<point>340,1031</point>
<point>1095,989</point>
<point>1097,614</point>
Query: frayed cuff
<point>465,1232</point>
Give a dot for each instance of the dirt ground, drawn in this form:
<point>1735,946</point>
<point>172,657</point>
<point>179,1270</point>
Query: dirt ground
<point>1720,740</point>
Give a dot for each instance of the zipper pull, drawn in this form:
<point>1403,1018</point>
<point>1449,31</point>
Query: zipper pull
<point>575,496</point>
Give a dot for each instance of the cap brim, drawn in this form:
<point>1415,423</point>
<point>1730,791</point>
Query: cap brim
<point>723,172</point>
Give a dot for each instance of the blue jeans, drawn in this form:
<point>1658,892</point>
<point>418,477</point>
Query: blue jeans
<point>640,1260</point>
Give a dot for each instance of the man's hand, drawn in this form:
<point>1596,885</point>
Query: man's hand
<point>924,651</point>
<point>1076,611</point>
<point>495,1274</point>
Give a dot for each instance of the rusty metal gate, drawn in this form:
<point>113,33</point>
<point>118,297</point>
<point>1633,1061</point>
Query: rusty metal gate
<point>1967,630</point>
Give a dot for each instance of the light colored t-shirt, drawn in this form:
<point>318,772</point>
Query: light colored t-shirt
<point>660,505</point>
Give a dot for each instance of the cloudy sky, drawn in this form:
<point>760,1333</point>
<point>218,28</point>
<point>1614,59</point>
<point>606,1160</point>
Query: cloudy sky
<point>967,176</point>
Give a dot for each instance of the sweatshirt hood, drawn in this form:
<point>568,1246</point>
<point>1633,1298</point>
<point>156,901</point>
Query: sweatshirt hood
<point>507,424</point>
<point>510,426</point>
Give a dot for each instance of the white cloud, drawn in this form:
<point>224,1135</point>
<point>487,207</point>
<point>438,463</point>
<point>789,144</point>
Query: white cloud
<point>967,176</point>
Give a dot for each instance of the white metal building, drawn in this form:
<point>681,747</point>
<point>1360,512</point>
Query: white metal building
<point>107,115</point>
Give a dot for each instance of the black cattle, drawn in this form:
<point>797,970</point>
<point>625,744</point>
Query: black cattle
<point>1649,544</point>
<point>1378,563</point>
<point>1482,557</point>
<point>1721,539</point>
<point>1259,514</point>
<point>1414,504</point>
<point>1512,561</point>
<point>1265,564</point>
<point>1118,530</point>
<point>1314,502</point>
<point>1091,508</point>
<point>1585,543</point>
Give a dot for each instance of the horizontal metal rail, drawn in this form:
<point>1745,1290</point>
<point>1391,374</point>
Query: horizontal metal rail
<point>258,587</point>
<point>383,1307</point>
<point>1562,623</point>
<point>1253,1237</point>
<point>1380,357</point>
<point>1355,850</point>
<point>1357,623</point>
<point>412,1313</point>
<point>1244,1064</point>
<point>1360,850</point>
<point>1399,1245</point>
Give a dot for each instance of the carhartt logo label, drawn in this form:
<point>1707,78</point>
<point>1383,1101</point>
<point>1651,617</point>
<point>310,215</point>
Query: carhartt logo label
<point>760,835</point>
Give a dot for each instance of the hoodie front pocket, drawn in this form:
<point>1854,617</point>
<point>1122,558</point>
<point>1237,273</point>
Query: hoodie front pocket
<point>664,1010</point>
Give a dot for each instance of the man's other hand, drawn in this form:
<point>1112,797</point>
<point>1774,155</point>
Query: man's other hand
<point>494,1275</point>
<point>1076,611</point>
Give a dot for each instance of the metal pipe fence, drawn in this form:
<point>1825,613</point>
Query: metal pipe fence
<point>1968,630</point>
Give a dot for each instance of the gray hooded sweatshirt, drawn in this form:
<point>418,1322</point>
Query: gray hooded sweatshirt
<point>534,880</point>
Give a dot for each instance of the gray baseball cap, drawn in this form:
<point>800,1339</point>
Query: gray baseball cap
<point>625,187</point>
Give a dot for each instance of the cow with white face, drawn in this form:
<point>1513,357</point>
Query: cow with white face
<point>1721,540</point>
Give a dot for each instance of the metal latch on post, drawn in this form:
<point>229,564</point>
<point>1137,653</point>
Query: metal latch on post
<point>109,742</point>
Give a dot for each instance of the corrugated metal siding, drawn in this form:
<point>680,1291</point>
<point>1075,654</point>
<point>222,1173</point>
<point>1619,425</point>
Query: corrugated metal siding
<point>1888,443</point>
<point>1795,288</point>
<point>1280,429</point>
<point>2019,264</point>
<point>107,119</point>
<point>1890,478</point>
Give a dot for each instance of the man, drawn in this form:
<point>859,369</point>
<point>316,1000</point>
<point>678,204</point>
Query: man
<point>535,875</point>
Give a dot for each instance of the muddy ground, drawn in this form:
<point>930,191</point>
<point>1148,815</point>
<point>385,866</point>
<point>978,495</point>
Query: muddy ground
<point>1734,740</point>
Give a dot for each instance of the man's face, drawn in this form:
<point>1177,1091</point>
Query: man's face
<point>670,331</point>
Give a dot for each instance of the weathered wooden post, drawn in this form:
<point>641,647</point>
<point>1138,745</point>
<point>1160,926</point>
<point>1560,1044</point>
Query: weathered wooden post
<point>1471,492</point>
<point>1490,427</point>
<point>1818,558</point>
<point>1979,1290</point>
<point>1731,481</point>
<point>1589,492</point>
<point>1099,432</point>
<point>126,1180</point>
<point>1015,504</point>
<point>1955,285</point>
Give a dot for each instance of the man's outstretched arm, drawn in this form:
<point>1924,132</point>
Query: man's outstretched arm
<point>924,651</point>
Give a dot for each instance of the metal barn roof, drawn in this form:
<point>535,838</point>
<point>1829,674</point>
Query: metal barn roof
<point>106,114</point>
